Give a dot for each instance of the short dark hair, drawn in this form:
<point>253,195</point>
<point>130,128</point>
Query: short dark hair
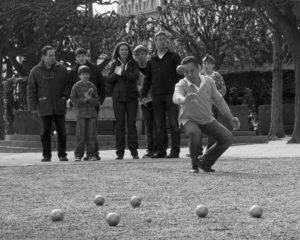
<point>80,51</point>
<point>116,54</point>
<point>83,69</point>
<point>209,58</point>
<point>46,48</point>
<point>190,59</point>
<point>160,33</point>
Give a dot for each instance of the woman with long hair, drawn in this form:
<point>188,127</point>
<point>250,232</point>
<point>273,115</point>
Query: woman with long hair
<point>122,78</point>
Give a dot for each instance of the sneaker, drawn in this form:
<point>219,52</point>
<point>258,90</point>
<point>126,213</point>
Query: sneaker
<point>63,159</point>
<point>119,157</point>
<point>86,158</point>
<point>77,159</point>
<point>205,167</point>
<point>46,159</point>
<point>194,170</point>
<point>135,157</point>
<point>97,156</point>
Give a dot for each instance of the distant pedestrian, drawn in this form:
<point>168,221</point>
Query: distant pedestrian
<point>85,99</point>
<point>122,78</point>
<point>161,77</point>
<point>47,92</point>
<point>195,94</point>
<point>208,69</point>
<point>95,77</point>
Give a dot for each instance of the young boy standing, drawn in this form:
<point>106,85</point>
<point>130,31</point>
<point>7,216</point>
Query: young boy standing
<point>85,98</point>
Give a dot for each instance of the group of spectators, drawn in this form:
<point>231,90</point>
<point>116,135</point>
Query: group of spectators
<point>133,77</point>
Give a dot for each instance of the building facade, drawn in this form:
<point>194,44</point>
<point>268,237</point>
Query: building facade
<point>135,7</point>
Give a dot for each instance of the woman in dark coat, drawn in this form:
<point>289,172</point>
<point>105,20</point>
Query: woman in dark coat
<point>122,78</point>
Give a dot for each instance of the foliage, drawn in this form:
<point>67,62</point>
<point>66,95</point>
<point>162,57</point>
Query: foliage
<point>222,28</point>
<point>282,16</point>
<point>26,26</point>
<point>254,88</point>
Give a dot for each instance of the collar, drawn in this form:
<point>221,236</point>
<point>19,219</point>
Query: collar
<point>42,64</point>
<point>167,52</point>
<point>192,84</point>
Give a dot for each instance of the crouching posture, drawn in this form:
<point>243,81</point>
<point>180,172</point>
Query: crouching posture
<point>195,94</point>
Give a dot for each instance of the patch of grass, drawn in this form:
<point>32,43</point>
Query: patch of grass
<point>170,196</point>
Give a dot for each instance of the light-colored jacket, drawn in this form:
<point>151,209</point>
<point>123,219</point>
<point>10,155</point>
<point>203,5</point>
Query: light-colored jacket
<point>200,109</point>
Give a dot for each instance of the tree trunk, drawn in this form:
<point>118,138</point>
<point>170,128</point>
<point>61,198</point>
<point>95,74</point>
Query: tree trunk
<point>276,126</point>
<point>1,98</point>
<point>296,132</point>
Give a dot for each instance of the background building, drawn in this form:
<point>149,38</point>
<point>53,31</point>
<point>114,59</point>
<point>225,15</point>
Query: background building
<point>135,7</point>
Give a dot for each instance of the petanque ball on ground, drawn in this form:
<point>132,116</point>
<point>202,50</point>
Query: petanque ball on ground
<point>136,201</point>
<point>57,215</point>
<point>149,220</point>
<point>256,211</point>
<point>201,211</point>
<point>113,219</point>
<point>99,200</point>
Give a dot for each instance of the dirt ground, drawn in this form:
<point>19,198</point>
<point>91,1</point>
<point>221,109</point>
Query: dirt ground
<point>170,196</point>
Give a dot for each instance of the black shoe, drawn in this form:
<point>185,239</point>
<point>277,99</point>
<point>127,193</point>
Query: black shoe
<point>46,159</point>
<point>97,156</point>
<point>173,155</point>
<point>135,154</point>
<point>194,170</point>
<point>86,158</point>
<point>205,167</point>
<point>119,157</point>
<point>63,159</point>
<point>158,155</point>
<point>148,155</point>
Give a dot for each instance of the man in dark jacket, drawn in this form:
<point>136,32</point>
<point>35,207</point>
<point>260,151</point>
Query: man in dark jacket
<point>47,92</point>
<point>161,76</point>
<point>95,77</point>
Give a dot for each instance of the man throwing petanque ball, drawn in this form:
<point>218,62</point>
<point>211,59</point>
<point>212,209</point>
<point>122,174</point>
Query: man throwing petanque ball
<point>195,94</point>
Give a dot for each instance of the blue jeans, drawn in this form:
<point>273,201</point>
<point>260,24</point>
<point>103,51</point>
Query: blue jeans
<point>214,130</point>
<point>86,137</point>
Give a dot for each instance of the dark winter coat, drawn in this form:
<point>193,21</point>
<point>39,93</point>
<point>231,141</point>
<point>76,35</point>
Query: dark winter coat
<point>124,87</point>
<point>161,75</point>
<point>48,90</point>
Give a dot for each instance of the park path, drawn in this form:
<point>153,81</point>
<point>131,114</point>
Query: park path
<point>273,149</point>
